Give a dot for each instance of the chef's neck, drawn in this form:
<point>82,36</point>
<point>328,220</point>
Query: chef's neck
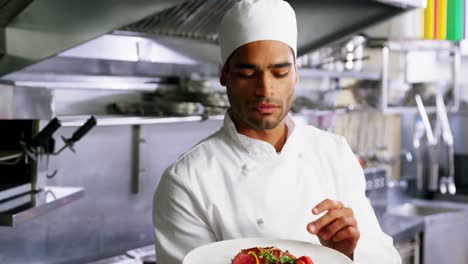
<point>276,136</point>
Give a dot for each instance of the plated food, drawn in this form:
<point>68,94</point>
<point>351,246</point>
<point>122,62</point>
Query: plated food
<point>268,255</point>
<point>226,251</point>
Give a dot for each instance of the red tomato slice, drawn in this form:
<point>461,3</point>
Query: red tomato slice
<point>305,260</point>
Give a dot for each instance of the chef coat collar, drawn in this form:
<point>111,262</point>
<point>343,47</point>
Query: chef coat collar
<point>254,146</point>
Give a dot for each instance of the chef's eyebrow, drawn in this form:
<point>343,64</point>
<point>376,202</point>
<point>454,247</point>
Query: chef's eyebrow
<point>255,67</point>
<point>280,65</point>
<point>246,66</point>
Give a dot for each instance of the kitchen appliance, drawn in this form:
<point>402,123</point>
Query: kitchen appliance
<point>188,26</point>
<point>459,123</point>
<point>18,173</point>
<point>25,152</point>
<point>461,172</point>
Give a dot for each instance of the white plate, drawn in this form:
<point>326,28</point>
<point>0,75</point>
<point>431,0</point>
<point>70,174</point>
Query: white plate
<point>224,251</point>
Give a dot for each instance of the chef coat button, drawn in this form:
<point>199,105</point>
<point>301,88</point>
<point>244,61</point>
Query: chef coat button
<point>300,155</point>
<point>245,167</point>
<point>260,221</point>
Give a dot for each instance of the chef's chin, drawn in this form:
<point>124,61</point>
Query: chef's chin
<point>265,121</point>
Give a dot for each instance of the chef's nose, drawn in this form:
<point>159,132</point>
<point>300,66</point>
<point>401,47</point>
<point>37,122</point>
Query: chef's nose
<point>264,85</point>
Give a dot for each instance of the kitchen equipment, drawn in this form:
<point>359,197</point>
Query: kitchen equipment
<point>346,55</point>
<point>61,25</point>
<point>447,182</point>
<point>25,151</point>
<point>432,146</point>
<point>461,172</point>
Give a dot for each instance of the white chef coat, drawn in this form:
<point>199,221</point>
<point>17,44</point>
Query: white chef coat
<point>231,186</point>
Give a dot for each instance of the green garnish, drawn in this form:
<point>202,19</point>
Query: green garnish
<point>287,260</point>
<point>272,259</point>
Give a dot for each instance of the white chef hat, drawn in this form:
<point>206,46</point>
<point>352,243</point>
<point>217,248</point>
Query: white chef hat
<point>253,20</point>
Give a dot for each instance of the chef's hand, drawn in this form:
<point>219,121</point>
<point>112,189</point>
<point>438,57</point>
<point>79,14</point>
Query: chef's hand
<point>337,229</point>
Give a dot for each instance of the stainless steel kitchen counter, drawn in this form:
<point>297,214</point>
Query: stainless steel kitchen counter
<point>441,223</point>
<point>400,228</point>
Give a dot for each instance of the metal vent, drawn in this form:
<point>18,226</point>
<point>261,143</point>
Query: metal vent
<point>198,19</point>
<point>10,8</point>
<point>319,22</point>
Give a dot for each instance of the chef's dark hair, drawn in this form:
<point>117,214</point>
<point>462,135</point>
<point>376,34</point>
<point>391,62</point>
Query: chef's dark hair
<point>232,54</point>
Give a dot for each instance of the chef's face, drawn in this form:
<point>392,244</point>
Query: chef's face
<point>260,77</point>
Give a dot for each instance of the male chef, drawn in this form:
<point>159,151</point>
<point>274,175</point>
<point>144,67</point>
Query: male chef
<point>262,175</point>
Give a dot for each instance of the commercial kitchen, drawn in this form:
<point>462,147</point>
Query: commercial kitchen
<point>98,98</point>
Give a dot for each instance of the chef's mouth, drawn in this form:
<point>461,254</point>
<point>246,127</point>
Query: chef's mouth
<point>265,108</point>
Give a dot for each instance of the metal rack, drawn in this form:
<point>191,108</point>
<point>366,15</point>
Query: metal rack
<point>31,205</point>
<point>75,121</point>
<point>425,45</point>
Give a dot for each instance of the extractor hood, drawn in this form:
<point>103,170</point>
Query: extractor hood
<point>35,30</point>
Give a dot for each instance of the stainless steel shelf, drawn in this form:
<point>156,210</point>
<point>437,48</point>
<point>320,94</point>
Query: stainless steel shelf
<point>406,3</point>
<point>75,121</point>
<point>32,205</point>
<point>311,72</point>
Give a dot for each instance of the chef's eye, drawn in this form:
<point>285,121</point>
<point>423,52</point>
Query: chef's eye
<point>246,73</point>
<point>281,73</point>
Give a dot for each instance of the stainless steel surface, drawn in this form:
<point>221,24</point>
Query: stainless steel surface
<point>456,75</point>
<point>74,121</point>
<point>197,19</point>
<point>410,250</point>
<point>427,125</point>
<point>308,72</point>
<point>385,77</point>
<point>418,149</point>
<point>37,204</point>
<point>108,85</point>
<point>14,190</point>
<point>447,181</point>
<point>141,252</point>
<point>22,103</point>
<point>409,46</point>
<point>459,125</point>
<point>109,219</point>
<point>10,8</point>
<point>121,259</point>
<point>140,255</point>
<point>413,45</point>
<point>59,25</point>
<point>433,177</point>
<point>83,73</point>
<point>410,209</point>
<point>39,173</point>
<point>409,170</point>
<point>417,3</point>
<point>136,169</point>
<point>92,82</point>
<point>443,240</point>
<point>319,22</point>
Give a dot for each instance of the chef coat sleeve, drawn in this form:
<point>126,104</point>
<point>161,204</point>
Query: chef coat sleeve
<point>374,246</point>
<point>179,225</point>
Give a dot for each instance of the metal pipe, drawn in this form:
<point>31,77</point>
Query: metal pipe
<point>432,147</point>
<point>456,78</point>
<point>385,66</point>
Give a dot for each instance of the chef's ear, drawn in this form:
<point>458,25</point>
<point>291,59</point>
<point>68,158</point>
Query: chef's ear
<point>223,76</point>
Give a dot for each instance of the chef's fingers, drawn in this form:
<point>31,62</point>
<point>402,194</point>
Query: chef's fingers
<point>351,233</point>
<point>317,225</point>
<point>336,226</point>
<point>327,205</point>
